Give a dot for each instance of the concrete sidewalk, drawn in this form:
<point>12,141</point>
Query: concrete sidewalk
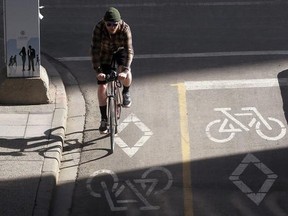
<point>31,140</point>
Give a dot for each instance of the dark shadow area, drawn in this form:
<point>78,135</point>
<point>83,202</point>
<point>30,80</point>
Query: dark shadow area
<point>19,193</point>
<point>283,83</point>
<point>26,185</point>
<point>189,27</point>
<point>214,188</point>
<point>171,27</point>
<point>245,184</point>
<point>159,190</point>
<point>1,36</point>
<point>180,66</point>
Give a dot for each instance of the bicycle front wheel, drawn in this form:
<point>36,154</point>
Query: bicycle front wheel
<point>112,121</point>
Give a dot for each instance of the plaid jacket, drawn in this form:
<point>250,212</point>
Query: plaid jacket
<point>103,45</point>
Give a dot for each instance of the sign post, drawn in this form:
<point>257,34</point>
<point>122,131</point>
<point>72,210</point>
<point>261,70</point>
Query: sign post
<point>25,82</point>
<point>22,38</point>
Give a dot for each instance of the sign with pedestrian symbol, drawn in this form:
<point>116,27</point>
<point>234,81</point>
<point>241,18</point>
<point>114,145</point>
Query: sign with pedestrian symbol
<point>22,38</point>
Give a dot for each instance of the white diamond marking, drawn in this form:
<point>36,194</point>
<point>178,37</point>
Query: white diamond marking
<point>258,197</point>
<point>132,118</point>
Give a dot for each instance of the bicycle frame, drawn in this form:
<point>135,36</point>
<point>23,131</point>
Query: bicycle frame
<point>253,121</point>
<point>112,123</point>
<point>230,125</point>
<point>114,101</point>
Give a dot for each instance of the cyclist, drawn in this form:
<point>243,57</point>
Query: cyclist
<point>112,35</point>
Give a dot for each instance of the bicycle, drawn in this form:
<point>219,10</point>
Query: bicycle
<point>114,102</point>
<point>105,183</point>
<point>231,125</point>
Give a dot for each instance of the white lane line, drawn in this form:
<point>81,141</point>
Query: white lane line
<point>76,58</point>
<point>235,84</point>
<point>154,4</point>
<point>188,55</point>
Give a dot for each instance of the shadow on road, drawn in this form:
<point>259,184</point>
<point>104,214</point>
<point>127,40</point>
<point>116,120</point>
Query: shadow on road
<point>244,184</point>
<point>283,83</point>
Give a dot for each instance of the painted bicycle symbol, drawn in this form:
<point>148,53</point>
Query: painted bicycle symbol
<point>269,129</point>
<point>105,183</point>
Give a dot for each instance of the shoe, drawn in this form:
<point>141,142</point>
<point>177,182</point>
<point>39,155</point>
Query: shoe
<point>103,127</point>
<point>126,100</point>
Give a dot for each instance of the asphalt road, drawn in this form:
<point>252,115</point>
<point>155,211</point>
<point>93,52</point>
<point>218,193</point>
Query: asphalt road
<point>208,79</point>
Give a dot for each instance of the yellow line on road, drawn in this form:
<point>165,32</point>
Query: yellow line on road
<point>185,143</point>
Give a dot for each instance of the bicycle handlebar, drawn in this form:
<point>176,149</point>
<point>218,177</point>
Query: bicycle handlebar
<point>113,76</point>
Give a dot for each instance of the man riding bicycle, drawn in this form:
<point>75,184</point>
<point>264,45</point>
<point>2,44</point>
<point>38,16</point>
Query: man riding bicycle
<point>112,36</point>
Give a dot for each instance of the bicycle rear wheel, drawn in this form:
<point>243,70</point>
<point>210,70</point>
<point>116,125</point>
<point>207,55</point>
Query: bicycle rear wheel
<point>112,121</point>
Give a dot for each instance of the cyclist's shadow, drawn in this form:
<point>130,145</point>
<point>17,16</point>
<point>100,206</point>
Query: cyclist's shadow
<point>72,141</point>
<point>283,84</point>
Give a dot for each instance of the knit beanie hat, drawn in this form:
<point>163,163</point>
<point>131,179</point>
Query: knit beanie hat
<point>112,15</point>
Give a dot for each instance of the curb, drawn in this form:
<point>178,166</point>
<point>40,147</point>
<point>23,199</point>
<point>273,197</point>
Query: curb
<point>52,157</point>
